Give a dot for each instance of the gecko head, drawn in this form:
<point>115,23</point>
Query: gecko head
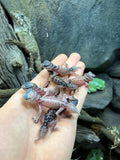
<point>20,21</point>
<point>72,100</point>
<point>30,95</point>
<point>91,74</point>
<point>29,85</point>
<point>89,77</point>
<point>46,64</point>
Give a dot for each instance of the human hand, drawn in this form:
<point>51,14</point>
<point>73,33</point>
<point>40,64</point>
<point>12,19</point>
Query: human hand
<point>18,131</point>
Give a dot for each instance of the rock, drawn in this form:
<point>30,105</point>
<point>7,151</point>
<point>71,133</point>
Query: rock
<point>100,99</point>
<point>111,118</point>
<point>115,104</point>
<point>116,87</point>
<point>90,28</point>
<point>114,70</point>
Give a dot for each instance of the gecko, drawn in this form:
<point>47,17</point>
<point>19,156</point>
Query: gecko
<point>58,69</point>
<point>83,80</point>
<point>26,40</point>
<point>60,83</point>
<point>43,92</point>
<point>66,102</point>
<point>49,122</point>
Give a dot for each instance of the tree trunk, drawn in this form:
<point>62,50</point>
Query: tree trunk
<point>13,65</point>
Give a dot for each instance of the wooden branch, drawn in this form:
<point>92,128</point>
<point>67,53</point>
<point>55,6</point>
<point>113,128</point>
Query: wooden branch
<point>99,127</point>
<point>88,118</point>
<point>6,93</point>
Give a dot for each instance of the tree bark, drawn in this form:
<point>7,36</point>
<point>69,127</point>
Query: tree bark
<point>13,65</point>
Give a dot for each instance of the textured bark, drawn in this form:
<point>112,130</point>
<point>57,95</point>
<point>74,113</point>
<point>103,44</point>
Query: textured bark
<point>13,66</point>
<point>4,93</point>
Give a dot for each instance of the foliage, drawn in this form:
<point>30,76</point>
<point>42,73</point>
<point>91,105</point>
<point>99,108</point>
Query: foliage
<point>95,154</point>
<point>96,84</point>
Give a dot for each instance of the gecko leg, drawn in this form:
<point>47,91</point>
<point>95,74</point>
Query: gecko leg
<point>38,64</point>
<point>66,65</point>
<point>75,74</point>
<point>46,94</point>
<point>40,116</point>
<point>74,67</point>
<point>22,45</point>
<point>59,111</point>
<point>86,84</point>
<point>31,68</point>
<point>53,124</point>
<point>15,42</point>
<point>53,75</point>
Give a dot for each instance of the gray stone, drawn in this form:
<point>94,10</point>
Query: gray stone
<point>116,103</point>
<point>114,70</point>
<point>100,99</point>
<point>91,28</point>
<point>116,87</point>
<point>116,96</point>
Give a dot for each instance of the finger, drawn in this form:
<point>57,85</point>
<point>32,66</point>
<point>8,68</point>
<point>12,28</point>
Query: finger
<point>42,78</point>
<point>81,94</point>
<point>81,68</point>
<point>73,59</point>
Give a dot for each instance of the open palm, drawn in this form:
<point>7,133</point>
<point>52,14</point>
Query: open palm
<point>18,131</point>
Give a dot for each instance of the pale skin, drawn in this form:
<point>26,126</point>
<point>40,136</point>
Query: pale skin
<point>18,131</point>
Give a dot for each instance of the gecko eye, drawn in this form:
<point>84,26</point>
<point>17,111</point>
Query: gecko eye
<point>26,85</point>
<point>29,95</point>
<point>75,102</point>
<point>26,97</point>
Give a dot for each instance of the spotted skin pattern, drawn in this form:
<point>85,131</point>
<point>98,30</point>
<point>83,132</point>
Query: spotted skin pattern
<point>43,92</point>
<point>62,84</point>
<point>49,122</point>
<point>58,69</point>
<point>83,80</point>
